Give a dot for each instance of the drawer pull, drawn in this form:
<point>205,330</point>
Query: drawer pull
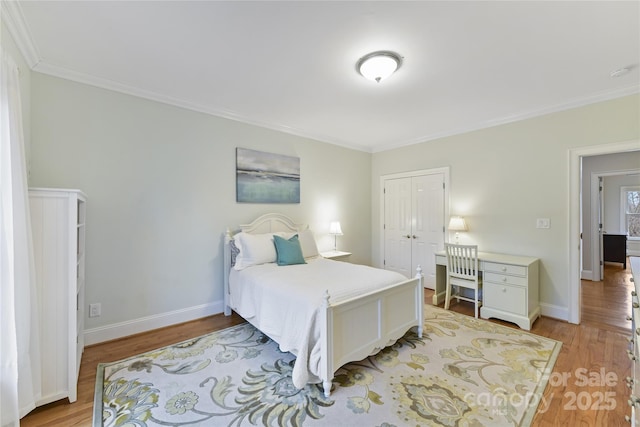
<point>629,318</point>
<point>633,293</point>
<point>504,268</point>
<point>636,305</point>
<point>629,380</point>
<point>637,331</point>
<point>631,355</point>
<point>504,279</point>
<point>627,418</point>
<point>504,289</point>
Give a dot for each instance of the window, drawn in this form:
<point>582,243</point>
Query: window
<point>630,197</point>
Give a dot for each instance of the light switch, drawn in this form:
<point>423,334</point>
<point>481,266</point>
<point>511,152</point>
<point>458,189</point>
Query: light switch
<point>543,223</point>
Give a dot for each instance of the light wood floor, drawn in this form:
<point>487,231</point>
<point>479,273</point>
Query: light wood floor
<point>597,345</point>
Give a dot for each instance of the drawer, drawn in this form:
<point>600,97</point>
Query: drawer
<point>503,278</point>
<point>507,298</point>
<point>517,270</point>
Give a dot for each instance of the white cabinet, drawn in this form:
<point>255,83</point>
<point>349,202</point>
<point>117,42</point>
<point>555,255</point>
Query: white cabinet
<point>58,226</point>
<point>511,291</point>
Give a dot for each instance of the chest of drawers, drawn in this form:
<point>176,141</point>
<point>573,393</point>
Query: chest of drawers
<point>634,345</point>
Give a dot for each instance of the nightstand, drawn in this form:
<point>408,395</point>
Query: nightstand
<point>336,255</point>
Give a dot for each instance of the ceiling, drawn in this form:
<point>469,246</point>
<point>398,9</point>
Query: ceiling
<point>290,66</point>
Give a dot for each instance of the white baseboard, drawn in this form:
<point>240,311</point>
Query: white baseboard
<point>555,311</point>
<point>586,275</point>
<point>144,324</point>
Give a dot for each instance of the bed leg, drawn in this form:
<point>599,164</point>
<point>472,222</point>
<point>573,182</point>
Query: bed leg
<point>327,387</point>
<point>420,298</point>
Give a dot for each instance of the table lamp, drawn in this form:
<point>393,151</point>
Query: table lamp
<point>334,228</point>
<point>457,224</point>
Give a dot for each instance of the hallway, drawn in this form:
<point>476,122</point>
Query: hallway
<point>607,303</point>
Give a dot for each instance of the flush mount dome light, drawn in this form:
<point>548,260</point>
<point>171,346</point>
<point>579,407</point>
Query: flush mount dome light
<point>377,66</point>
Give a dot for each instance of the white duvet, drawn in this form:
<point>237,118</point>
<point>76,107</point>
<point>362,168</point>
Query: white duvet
<point>284,302</point>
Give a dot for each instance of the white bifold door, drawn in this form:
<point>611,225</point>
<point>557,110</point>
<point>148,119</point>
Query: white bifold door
<point>414,213</point>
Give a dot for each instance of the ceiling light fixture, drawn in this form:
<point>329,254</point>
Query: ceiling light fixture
<point>379,65</point>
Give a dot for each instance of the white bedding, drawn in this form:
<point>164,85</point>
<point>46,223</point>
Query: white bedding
<point>284,302</point>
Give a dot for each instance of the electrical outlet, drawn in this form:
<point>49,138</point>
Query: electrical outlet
<point>543,223</point>
<point>95,310</point>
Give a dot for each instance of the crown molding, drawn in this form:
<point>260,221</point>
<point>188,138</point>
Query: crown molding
<point>13,18</point>
<point>91,80</point>
<point>575,103</point>
<point>67,74</point>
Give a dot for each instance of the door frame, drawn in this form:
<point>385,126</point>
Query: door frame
<point>443,170</point>
<point>575,216</point>
<point>597,262</point>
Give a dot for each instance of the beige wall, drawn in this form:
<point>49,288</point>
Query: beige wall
<point>503,178</point>
<point>160,182</point>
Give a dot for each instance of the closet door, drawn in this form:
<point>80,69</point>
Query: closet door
<point>398,225</point>
<point>413,224</point>
<point>427,235</point>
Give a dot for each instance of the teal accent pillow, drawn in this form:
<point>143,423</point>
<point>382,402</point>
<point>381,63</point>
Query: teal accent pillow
<point>289,251</point>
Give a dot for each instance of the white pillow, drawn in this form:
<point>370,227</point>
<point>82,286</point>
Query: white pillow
<point>254,249</point>
<point>308,244</point>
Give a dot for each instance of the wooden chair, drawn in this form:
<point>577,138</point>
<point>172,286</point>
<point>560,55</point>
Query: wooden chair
<point>462,272</point>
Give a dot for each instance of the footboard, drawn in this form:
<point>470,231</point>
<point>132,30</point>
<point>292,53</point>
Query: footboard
<point>359,327</point>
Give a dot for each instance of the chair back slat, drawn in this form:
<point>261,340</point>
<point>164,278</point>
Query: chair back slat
<point>462,260</point>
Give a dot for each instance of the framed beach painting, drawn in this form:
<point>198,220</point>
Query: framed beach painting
<point>266,177</point>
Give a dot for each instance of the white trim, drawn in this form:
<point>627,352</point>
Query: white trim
<point>596,244</point>
<point>88,79</point>
<point>13,18</point>
<point>443,170</point>
<point>148,323</point>
<point>554,311</point>
<point>573,238</point>
<point>574,103</point>
<point>594,226</point>
<point>586,275</point>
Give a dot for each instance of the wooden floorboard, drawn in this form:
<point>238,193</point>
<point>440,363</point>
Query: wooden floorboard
<point>598,344</point>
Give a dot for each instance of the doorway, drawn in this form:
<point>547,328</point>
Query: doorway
<point>575,220</point>
<point>604,218</point>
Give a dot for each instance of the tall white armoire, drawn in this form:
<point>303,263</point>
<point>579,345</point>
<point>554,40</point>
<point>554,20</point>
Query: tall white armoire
<point>58,226</point>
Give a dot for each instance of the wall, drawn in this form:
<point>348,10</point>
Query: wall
<point>160,182</point>
<point>504,177</point>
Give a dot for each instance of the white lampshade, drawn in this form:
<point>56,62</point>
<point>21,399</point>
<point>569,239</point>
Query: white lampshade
<point>377,66</point>
<point>334,228</point>
<point>457,223</point>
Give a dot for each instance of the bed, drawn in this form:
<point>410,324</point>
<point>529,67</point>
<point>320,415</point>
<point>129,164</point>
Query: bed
<point>327,313</point>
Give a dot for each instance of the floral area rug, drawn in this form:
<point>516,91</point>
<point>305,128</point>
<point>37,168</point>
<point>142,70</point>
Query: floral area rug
<point>463,372</point>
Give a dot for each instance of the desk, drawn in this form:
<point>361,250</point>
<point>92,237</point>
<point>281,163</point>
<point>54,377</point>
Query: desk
<point>509,288</point>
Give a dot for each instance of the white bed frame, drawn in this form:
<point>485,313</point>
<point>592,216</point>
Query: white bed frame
<point>353,329</point>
